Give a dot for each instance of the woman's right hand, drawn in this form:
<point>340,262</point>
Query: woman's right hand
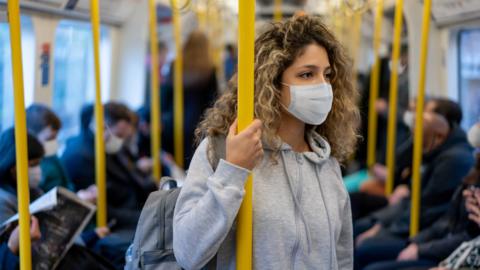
<point>245,148</point>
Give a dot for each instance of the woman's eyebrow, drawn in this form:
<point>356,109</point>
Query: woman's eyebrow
<point>312,66</point>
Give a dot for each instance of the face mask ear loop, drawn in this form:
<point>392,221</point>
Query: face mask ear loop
<point>281,104</point>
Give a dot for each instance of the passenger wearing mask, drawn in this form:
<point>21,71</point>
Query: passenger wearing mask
<point>127,188</point>
<point>8,192</point>
<point>307,119</point>
<point>447,159</point>
<point>372,192</point>
<point>9,206</point>
<point>435,243</point>
<point>44,124</point>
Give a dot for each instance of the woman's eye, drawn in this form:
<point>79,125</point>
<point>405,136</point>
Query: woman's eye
<point>306,75</point>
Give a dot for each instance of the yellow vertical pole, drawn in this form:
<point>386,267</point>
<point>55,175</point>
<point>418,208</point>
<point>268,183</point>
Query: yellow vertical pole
<point>178,87</point>
<point>154,92</point>
<point>246,83</point>
<point>277,12</point>
<point>99,123</point>
<point>392,112</point>
<point>374,84</point>
<point>357,34</point>
<point>21,154</point>
<point>418,141</point>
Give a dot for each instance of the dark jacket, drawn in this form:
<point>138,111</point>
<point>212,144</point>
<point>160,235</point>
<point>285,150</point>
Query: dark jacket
<point>446,234</point>
<point>8,260</point>
<point>127,188</point>
<point>442,172</point>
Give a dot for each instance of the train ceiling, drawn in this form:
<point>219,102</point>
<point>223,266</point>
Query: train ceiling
<point>444,12</point>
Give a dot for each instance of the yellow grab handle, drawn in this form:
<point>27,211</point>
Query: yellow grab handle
<point>418,143</point>
<point>178,88</point>
<point>246,84</point>
<point>374,84</point>
<point>392,113</point>
<point>357,35</point>
<point>277,13</point>
<point>100,168</point>
<point>154,93</point>
<point>23,194</point>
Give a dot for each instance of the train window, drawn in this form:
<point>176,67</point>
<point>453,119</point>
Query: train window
<point>74,81</point>
<point>469,75</point>
<point>6,81</point>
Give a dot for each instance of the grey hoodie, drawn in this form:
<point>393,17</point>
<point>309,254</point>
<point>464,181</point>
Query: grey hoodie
<point>301,211</point>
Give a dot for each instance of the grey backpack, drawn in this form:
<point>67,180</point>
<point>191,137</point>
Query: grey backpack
<point>152,247</point>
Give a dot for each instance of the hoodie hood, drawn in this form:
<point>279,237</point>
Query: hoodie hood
<point>320,148</point>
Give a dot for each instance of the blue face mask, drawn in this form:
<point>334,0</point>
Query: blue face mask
<point>310,103</point>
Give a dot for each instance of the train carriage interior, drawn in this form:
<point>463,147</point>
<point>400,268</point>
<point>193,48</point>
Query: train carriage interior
<point>111,109</point>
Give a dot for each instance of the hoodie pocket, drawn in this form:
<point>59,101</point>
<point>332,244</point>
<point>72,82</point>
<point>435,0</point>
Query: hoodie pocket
<point>159,260</point>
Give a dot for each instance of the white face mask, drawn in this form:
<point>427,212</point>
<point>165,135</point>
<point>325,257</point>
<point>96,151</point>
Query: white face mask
<point>50,147</point>
<point>474,135</point>
<point>113,144</point>
<point>34,176</point>
<point>408,119</point>
<point>311,103</point>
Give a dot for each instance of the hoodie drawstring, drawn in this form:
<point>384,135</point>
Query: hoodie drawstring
<point>332,243</point>
<point>297,204</point>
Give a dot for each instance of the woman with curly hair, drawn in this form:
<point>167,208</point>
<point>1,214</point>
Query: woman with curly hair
<point>306,121</point>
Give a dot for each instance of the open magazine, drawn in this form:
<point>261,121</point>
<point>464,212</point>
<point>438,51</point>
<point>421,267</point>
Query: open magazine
<point>62,217</point>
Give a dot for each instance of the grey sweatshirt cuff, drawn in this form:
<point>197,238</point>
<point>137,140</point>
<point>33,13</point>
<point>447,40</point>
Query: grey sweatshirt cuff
<point>228,174</point>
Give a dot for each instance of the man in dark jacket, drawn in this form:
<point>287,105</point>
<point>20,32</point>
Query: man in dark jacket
<point>127,188</point>
<point>447,159</point>
<point>437,242</point>
<point>364,202</point>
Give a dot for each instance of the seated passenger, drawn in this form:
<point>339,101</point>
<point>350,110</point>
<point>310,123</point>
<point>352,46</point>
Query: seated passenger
<point>447,159</point>
<point>371,196</point>
<point>127,188</point>
<point>435,243</point>
<point>8,192</point>
<point>8,195</point>
<point>44,124</point>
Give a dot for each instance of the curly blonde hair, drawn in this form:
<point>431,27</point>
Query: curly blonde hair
<point>275,50</point>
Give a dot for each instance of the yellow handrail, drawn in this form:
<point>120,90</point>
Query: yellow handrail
<point>357,35</point>
<point>277,13</point>
<point>418,143</point>
<point>392,113</point>
<point>99,123</point>
<point>178,88</point>
<point>21,154</point>
<point>246,84</point>
<point>154,92</point>
<point>374,82</point>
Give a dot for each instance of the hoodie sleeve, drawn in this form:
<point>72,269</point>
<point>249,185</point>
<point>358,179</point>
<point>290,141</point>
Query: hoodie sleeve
<point>206,209</point>
<point>344,247</point>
